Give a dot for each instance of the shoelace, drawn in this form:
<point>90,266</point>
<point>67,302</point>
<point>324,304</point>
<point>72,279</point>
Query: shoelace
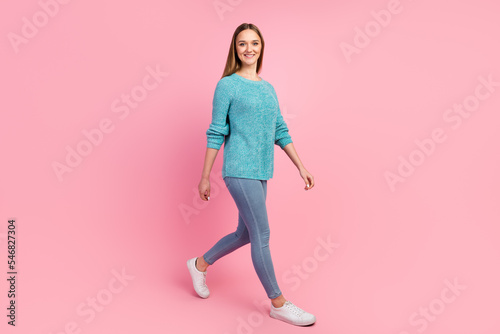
<point>294,308</point>
<point>204,282</point>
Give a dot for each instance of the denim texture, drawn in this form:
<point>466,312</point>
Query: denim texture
<point>253,227</point>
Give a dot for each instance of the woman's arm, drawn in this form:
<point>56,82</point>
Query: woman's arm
<point>204,185</point>
<point>292,154</point>
<point>216,133</point>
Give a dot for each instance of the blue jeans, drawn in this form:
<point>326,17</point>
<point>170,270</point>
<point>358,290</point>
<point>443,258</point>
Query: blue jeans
<point>253,227</point>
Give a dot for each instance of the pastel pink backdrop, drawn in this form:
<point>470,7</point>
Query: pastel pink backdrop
<point>129,205</point>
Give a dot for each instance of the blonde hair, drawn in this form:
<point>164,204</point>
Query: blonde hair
<point>233,62</point>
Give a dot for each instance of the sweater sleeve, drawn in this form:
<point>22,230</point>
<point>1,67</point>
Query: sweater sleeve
<point>219,127</point>
<point>282,137</point>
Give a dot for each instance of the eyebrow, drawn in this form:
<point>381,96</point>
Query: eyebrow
<point>255,40</point>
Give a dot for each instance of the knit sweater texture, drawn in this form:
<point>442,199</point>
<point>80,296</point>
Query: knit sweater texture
<point>247,119</point>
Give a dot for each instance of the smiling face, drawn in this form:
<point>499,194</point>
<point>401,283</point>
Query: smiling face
<point>248,46</point>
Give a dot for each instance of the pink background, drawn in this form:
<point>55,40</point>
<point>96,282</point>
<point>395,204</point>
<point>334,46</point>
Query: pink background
<point>130,203</point>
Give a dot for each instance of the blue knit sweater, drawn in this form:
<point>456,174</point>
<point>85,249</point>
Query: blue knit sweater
<point>246,117</point>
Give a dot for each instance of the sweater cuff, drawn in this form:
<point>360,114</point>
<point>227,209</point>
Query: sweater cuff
<point>214,145</point>
<point>283,142</point>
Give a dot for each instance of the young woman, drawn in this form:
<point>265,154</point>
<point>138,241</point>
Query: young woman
<point>246,117</point>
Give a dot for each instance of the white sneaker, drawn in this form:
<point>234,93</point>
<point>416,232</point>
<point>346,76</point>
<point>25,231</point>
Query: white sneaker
<point>199,279</point>
<point>292,314</point>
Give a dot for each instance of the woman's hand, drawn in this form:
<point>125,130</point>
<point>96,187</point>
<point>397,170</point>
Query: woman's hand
<point>292,154</point>
<point>204,189</point>
<point>308,178</point>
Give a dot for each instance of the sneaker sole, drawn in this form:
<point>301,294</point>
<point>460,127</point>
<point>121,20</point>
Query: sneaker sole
<point>272,315</point>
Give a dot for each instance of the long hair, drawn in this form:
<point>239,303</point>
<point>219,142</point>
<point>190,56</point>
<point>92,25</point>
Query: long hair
<point>233,62</point>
